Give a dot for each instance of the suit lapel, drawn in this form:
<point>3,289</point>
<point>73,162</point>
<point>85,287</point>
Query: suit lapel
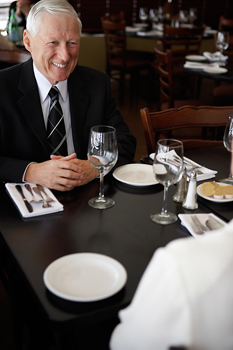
<point>78,106</point>
<point>30,105</point>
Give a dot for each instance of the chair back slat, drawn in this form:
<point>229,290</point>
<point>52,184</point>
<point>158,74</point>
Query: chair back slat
<point>186,117</point>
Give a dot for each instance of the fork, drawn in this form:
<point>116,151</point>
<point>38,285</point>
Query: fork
<point>28,187</point>
<point>193,167</point>
<point>47,198</point>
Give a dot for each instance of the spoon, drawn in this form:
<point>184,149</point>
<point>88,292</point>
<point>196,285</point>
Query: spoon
<point>213,224</point>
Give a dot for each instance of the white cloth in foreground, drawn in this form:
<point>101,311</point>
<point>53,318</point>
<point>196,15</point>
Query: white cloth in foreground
<point>185,297</point>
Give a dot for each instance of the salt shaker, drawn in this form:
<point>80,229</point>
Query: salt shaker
<point>191,197</point>
<point>181,192</point>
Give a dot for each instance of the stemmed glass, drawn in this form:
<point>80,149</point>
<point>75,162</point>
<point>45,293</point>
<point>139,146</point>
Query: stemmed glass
<point>222,43</point>
<point>143,14</point>
<point>153,16</point>
<point>102,155</point>
<point>168,170</point>
<point>192,15</point>
<point>228,143</point>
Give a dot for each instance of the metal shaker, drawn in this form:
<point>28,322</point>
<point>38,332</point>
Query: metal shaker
<point>191,197</point>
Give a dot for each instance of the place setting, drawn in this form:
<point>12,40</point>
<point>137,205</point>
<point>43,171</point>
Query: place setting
<point>33,200</point>
<point>201,224</point>
<point>202,172</point>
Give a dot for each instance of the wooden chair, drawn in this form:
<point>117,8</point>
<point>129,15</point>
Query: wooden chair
<point>185,119</point>
<point>183,38</point>
<point>184,41</point>
<point>168,90</point>
<point>119,60</point>
<point>225,24</point>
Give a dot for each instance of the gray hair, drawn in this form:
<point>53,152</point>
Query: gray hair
<point>52,7</point>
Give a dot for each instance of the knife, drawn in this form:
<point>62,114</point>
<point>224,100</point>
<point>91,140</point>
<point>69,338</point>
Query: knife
<point>28,205</point>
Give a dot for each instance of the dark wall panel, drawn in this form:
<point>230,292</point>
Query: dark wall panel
<point>90,11</point>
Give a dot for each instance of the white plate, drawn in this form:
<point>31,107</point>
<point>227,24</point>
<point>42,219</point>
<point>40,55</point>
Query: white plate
<point>135,174</point>
<point>212,199</point>
<point>215,70</point>
<point>85,277</point>
<point>195,58</point>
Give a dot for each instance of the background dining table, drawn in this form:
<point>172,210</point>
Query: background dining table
<point>124,232</point>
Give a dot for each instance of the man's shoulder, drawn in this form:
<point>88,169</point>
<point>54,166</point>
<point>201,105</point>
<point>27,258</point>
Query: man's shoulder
<point>89,72</point>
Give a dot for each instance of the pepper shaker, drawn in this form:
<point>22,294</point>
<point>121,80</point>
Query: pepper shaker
<point>181,192</point>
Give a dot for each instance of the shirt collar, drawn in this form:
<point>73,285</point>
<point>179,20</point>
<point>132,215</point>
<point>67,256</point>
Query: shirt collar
<point>44,86</point>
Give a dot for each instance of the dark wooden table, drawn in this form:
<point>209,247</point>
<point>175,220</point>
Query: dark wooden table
<point>9,58</point>
<point>124,232</point>
<point>227,77</point>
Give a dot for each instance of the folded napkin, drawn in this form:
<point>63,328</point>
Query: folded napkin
<point>215,57</point>
<point>150,33</point>
<point>56,206</point>
<point>203,173</point>
<point>199,65</point>
<point>187,222</point>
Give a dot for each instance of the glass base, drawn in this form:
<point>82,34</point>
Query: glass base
<point>164,219</point>
<point>228,180</point>
<point>101,203</point>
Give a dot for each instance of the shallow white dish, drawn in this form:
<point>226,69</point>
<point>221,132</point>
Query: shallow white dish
<point>85,277</point>
<point>212,199</point>
<point>135,174</point>
<point>195,58</point>
<point>215,70</point>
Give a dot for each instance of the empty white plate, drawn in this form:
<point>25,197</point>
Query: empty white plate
<point>195,58</point>
<point>85,277</point>
<point>215,70</point>
<point>135,174</point>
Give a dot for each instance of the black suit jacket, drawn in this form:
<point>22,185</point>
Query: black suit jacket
<point>22,130</point>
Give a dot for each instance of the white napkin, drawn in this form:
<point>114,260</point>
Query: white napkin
<point>150,33</point>
<point>215,57</point>
<point>206,173</point>
<point>187,222</point>
<point>199,65</point>
<point>56,206</point>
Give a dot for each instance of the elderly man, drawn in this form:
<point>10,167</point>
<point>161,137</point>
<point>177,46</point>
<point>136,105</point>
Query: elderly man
<point>82,99</point>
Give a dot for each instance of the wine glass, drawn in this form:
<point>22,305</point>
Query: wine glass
<point>222,43</point>
<point>228,143</point>
<point>102,155</point>
<point>143,14</point>
<point>153,16</point>
<point>168,170</point>
<point>192,15</point>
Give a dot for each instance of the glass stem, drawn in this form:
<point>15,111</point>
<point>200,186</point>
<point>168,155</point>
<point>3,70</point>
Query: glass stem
<point>164,208</point>
<point>101,190</point>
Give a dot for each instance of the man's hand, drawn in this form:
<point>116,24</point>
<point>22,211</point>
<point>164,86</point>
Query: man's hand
<point>61,173</point>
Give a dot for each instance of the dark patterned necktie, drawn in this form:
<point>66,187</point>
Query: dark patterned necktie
<point>56,132</point>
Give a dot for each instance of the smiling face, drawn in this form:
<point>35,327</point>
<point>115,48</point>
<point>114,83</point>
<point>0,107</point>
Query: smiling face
<point>55,48</point>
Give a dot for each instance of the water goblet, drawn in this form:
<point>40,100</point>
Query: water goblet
<point>143,14</point>
<point>228,144</point>
<point>102,155</point>
<point>168,170</point>
<point>222,43</point>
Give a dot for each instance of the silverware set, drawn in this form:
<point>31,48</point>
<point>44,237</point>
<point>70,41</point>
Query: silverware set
<point>39,190</point>
<point>210,224</point>
<point>191,165</point>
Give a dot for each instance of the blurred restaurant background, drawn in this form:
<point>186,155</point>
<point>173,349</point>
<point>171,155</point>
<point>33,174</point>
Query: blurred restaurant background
<point>142,36</point>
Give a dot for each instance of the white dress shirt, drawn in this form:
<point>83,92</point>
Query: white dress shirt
<point>185,297</point>
<point>44,87</point>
